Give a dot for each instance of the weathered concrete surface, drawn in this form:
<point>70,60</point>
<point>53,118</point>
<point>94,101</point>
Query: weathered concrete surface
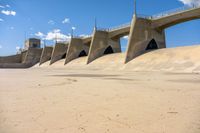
<point>176,18</point>
<point>100,42</point>
<point>59,52</point>
<point>27,59</point>
<point>46,54</point>
<point>141,34</point>
<point>76,49</point>
<point>33,56</point>
<point>11,59</point>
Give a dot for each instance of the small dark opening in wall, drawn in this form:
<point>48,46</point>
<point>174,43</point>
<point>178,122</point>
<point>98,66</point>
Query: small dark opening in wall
<point>109,50</point>
<point>152,45</point>
<point>82,54</point>
<point>64,56</point>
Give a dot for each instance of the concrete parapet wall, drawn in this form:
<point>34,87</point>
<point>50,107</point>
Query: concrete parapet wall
<point>59,52</point>
<point>11,59</point>
<point>24,60</point>
<point>100,42</point>
<point>76,46</point>
<point>14,65</point>
<point>46,54</point>
<point>140,36</point>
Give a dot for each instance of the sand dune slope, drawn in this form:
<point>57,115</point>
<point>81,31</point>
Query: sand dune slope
<point>181,59</point>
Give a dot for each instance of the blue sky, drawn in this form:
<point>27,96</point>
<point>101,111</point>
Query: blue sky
<point>20,19</point>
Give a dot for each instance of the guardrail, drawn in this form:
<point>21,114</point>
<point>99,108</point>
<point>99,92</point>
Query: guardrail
<point>120,27</point>
<point>174,11</point>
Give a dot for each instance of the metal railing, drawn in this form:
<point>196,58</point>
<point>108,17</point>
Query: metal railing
<point>119,27</point>
<point>174,11</point>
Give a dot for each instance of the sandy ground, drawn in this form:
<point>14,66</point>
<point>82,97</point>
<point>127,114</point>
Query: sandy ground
<point>60,100</point>
<point>158,92</point>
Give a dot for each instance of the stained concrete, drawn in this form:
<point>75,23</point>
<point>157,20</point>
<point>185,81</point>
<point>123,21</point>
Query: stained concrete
<point>100,42</point>
<point>33,56</point>
<point>11,59</point>
<point>59,52</point>
<point>76,47</point>
<point>141,34</point>
<point>24,60</point>
<point>46,54</point>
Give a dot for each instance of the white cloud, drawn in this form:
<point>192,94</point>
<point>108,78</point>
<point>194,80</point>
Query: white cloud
<point>1,20</point>
<point>126,37</point>
<point>73,28</point>
<point>190,2</point>
<point>40,34</point>
<point>84,35</point>
<point>7,12</point>
<point>8,6</point>
<point>12,28</point>
<point>2,6</point>
<point>66,20</point>
<point>53,35</point>
<point>51,22</point>
<point>18,48</point>
<point>56,34</point>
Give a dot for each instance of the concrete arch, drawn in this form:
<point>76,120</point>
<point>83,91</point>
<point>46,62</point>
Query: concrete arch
<point>108,50</point>
<point>46,54</point>
<point>100,42</point>
<point>59,52</point>
<point>144,29</point>
<point>152,45</point>
<point>82,53</point>
<point>176,18</point>
<point>76,46</point>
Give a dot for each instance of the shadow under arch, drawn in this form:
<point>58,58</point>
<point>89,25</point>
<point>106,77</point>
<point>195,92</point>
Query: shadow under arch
<point>152,45</point>
<point>108,50</point>
<point>64,56</point>
<point>82,54</point>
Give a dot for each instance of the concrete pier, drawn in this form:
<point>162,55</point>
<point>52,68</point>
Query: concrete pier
<point>46,54</point>
<point>101,44</point>
<point>76,49</point>
<point>59,52</point>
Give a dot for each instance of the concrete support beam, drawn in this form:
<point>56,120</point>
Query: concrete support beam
<point>59,52</point>
<point>141,34</point>
<point>76,49</point>
<point>46,54</point>
<point>32,57</point>
<point>100,42</point>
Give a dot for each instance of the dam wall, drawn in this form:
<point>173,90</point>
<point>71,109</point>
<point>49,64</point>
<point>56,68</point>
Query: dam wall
<point>76,49</point>
<point>11,59</point>
<point>32,57</point>
<point>59,52</point>
<point>101,45</point>
<point>46,54</point>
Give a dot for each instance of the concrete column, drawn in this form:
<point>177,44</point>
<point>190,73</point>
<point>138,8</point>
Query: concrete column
<point>59,51</point>
<point>33,56</point>
<point>76,46</point>
<point>46,54</point>
<point>100,42</point>
<point>141,34</point>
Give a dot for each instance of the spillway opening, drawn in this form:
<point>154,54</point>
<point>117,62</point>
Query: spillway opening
<point>82,54</point>
<point>108,50</point>
<point>64,56</point>
<point>152,45</point>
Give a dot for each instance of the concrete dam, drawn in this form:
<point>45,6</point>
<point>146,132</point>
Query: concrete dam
<point>146,48</point>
